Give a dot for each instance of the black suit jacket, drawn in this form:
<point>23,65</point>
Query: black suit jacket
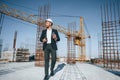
<point>53,42</point>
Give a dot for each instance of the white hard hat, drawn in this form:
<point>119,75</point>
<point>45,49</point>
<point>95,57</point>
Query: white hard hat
<point>50,20</point>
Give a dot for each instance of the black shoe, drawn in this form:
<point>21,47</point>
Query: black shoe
<point>52,73</point>
<point>46,77</point>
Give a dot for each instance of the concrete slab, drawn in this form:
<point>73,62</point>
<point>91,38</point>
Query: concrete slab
<point>63,71</point>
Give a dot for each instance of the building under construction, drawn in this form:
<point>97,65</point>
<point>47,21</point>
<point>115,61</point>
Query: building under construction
<point>73,66</point>
<point>110,16</point>
<point>71,49</point>
<point>43,12</point>
<point>1,25</point>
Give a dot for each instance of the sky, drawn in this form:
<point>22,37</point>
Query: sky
<point>88,9</point>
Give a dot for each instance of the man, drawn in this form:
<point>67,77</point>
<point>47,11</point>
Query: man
<point>49,38</point>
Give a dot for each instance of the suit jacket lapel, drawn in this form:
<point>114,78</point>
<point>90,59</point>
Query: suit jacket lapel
<point>45,33</point>
<point>51,35</point>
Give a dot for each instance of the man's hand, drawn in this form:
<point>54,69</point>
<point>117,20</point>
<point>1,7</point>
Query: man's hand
<point>54,36</point>
<point>44,40</point>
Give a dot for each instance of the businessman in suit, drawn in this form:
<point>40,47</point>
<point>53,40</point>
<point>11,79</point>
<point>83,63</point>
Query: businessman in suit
<point>49,37</point>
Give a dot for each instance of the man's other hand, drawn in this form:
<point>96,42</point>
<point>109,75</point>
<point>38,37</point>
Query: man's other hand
<point>44,40</point>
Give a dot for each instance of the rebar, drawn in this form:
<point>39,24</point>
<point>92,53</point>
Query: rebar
<point>111,34</point>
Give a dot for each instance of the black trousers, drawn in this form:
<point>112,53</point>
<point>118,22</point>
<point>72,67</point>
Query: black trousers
<point>49,50</point>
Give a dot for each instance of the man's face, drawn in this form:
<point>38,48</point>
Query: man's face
<point>47,24</point>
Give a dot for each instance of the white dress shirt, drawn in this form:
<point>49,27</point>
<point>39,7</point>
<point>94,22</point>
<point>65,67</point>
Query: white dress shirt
<point>49,33</point>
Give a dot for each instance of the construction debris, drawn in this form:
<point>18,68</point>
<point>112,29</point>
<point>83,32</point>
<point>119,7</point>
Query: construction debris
<point>22,55</point>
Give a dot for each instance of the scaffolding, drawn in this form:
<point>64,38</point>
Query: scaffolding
<point>110,16</point>
<point>71,50</point>
<point>43,14</point>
